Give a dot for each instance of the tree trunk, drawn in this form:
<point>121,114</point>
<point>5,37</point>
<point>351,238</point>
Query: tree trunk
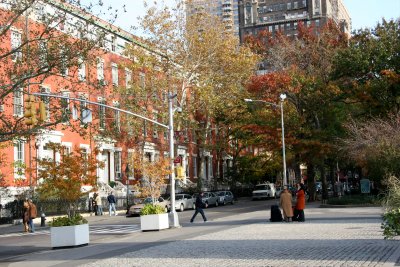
<point>311,181</point>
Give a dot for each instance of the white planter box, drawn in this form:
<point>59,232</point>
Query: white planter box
<point>68,236</point>
<point>154,222</point>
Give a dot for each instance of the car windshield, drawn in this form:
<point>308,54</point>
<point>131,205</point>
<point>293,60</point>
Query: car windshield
<point>148,200</point>
<point>262,187</point>
<point>221,194</point>
<point>178,197</point>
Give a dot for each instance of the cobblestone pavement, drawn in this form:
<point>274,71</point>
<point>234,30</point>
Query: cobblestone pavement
<point>351,237</point>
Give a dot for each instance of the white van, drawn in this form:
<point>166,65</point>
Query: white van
<point>266,190</point>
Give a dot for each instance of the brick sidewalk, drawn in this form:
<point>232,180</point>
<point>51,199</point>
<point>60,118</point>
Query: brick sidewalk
<point>329,237</point>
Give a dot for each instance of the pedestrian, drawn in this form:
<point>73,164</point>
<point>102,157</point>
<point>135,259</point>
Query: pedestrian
<point>99,205</point>
<point>111,204</point>
<point>32,215</point>
<point>286,204</point>
<point>199,207</point>
<point>300,204</point>
<point>94,204</point>
<point>25,216</point>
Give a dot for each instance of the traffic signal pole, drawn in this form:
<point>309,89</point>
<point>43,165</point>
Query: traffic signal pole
<point>173,214</point>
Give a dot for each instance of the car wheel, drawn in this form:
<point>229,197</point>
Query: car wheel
<point>233,201</point>
<point>182,208</point>
<point>224,203</point>
<point>216,203</point>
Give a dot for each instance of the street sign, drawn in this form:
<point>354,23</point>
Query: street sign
<point>365,186</point>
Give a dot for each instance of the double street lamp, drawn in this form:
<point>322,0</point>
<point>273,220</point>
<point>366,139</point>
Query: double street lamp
<point>282,98</point>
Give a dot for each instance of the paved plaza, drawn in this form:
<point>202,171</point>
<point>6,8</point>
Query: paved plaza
<point>329,237</point>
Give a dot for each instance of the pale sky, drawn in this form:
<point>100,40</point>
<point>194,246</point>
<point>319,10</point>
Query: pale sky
<point>364,13</point>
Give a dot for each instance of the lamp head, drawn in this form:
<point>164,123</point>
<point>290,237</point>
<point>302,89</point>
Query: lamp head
<point>282,96</point>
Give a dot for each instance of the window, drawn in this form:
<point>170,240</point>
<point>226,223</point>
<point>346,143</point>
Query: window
<point>113,43</point>
<point>117,164</point>
<point>42,50</point>
<point>155,132</point>
<point>295,25</point>
<point>18,103</point>
<point>82,70</point>
<point>16,41</point>
<point>128,78</point>
<point>66,111</point>
<point>304,3</point>
<point>46,100</point>
<point>19,159</point>
<point>144,128</point>
<point>102,114</point>
<point>317,23</point>
<point>131,174</point>
<point>142,79</point>
<point>117,118</point>
<point>289,6</point>
<point>295,5</point>
<point>64,63</point>
<point>100,70</point>
<point>114,74</point>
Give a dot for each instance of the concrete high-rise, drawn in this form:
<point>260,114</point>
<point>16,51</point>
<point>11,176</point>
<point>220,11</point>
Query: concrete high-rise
<point>227,10</point>
<point>284,15</point>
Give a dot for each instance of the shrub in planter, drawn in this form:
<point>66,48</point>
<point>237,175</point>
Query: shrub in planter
<point>77,219</point>
<point>152,209</point>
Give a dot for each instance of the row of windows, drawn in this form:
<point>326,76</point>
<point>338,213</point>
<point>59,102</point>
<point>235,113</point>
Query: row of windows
<point>282,6</point>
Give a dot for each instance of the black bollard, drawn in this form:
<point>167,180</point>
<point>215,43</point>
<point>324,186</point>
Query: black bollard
<point>42,220</point>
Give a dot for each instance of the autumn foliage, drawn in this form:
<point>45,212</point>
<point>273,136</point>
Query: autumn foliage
<point>63,179</point>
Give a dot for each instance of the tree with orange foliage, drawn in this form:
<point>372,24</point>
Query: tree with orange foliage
<point>154,174</point>
<point>63,180</point>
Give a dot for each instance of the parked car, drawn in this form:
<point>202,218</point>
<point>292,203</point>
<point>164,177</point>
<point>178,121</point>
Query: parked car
<point>135,209</point>
<point>278,191</point>
<point>266,190</point>
<point>209,198</point>
<point>225,197</point>
<point>184,201</point>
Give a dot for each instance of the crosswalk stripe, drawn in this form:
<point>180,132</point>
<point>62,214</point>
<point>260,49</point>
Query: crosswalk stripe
<point>95,229</point>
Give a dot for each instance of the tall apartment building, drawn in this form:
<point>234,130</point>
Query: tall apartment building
<point>284,15</point>
<point>227,10</point>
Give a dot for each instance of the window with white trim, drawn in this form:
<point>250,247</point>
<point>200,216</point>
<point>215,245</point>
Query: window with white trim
<point>117,164</point>
<point>46,100</point>
<point>19,159</point>
<point>117,117</point>
<point>142,79</point>
<point>100,70</point>
<point>194,166</point>
<point>82,70</point>
<point>65,105</point>
<point>114,73</point>
<point>16,41</point>
<point>18,103</point>
<point>102,114</point>
<point>128,78</point>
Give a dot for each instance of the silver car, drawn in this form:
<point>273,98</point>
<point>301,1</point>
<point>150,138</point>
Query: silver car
<point>225,197</point>
<point>184,201</point>
<point>209,198</point>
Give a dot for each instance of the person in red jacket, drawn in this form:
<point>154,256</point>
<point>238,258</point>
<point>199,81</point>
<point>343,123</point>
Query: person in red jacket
<point>300,204</point>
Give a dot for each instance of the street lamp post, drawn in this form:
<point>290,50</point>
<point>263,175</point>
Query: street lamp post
<point>173,215</point>
<point>282,98</point>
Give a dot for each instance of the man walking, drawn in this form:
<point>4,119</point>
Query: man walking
<point>111,204</point>
<point>199,207</point>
